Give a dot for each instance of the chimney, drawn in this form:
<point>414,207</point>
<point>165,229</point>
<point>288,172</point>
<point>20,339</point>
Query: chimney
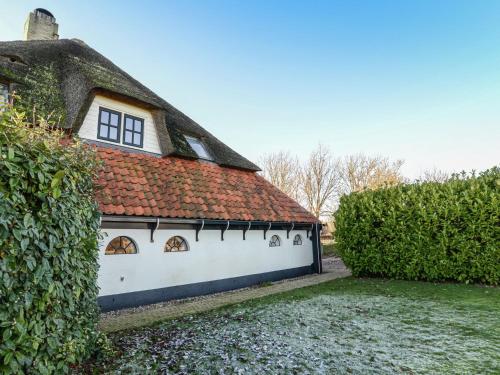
<point>40,25</point>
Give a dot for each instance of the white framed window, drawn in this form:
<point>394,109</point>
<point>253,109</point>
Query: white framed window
<point>198,147</point>
<point>275,241</point>
<point>4,94</point>
<point>297,240</point>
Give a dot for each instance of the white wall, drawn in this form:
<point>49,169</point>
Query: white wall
<point>88,129</point>
<point>209,259</point>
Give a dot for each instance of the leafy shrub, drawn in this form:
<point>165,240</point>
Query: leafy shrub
<point>49,226</point>
<point>424,231</point>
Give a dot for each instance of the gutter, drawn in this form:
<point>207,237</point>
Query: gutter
<point>208,223</point>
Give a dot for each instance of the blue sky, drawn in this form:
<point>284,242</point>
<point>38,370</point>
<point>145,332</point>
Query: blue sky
<point>413,80</point>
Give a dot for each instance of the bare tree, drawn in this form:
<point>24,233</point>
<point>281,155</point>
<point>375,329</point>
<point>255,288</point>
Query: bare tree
<point>320,182</point>
<point>322,179</point>
<point>283,171</point>
<point>360,172</point>
<point>434,175</point>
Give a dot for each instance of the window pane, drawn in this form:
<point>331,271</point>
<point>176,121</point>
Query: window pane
<point>121,245</point>
<point>199,148</point>
<point>113,133</point>
<point>114,119</point>
<point>130,249</point>
<point>138,126</point>
<point>103,131</point>
<point>297,240</point>
<point>4,94</point>
<point>275,241</point>
<point>128,137</point>
<point>105,117</point>
<point>137,139</point>
<point>125,242</point>
<point>176,243</point>
<point>129,123</point>
<point>115,244</point>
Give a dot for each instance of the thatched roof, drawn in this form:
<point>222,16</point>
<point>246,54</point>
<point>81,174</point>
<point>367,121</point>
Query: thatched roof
<point>82,73</point>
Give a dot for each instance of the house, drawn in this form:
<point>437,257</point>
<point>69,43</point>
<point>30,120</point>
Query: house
<point>327,229</point>
<point>182,213</point>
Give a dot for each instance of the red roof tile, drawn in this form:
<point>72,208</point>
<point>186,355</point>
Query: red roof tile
<point>170,187</point>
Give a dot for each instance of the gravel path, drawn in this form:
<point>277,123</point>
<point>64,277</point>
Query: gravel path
<point>333,264</point>
<point>333,268</point>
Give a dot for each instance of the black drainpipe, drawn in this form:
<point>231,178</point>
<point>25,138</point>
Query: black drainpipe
<point>316,245</point>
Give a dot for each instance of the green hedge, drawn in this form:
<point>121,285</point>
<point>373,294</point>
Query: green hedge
<point>424,231</point>
<point>49,226</point>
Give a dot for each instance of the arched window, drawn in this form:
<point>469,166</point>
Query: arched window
<point>275,241</point>
<point>176,243</point>
<point>297,240</point>
<point>121,245</point>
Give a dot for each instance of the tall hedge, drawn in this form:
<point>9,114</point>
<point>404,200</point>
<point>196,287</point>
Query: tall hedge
<point>424,231</point>
<point>48,248</point>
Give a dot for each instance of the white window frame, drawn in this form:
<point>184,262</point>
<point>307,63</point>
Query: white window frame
<point>4,94</point>
<point>275,241</point>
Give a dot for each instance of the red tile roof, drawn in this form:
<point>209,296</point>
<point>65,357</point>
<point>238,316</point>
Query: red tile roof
<point>144,185</point>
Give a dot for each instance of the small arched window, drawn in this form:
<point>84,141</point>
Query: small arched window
<point>121,245</point>
<point>297,240</point>
<point>275,241</point>
<point>176,243</point>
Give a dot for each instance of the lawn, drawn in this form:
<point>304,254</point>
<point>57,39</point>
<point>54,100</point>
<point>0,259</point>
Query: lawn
<point>345,326</point>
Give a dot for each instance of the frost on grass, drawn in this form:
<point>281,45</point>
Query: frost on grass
<point>329,333</point>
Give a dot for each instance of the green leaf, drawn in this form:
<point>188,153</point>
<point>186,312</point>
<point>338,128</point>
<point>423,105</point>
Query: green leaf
<point>24,243</point>
<point>56,180</point>
<point>41,177</point>
<point>27,219</point>
<point>17,234</point>
<point>7,358</point>
<point>31,263</point>
<point>6,335</point>
<point>56,192</point>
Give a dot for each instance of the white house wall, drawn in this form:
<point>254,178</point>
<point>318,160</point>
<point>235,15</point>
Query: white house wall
<point>206,260</point>
<point>89,127</point>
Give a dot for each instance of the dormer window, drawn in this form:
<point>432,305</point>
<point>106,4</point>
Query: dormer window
<point>133,132</point>
<point>109,125</point>
<point>199,148</point>
<point>109,128</point>
<point>4,94</point>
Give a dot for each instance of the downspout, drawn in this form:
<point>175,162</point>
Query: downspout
<point>320,248</point>
<point>317,264</point>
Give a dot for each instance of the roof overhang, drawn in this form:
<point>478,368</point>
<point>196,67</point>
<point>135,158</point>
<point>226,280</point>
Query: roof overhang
<point>156,223</point>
